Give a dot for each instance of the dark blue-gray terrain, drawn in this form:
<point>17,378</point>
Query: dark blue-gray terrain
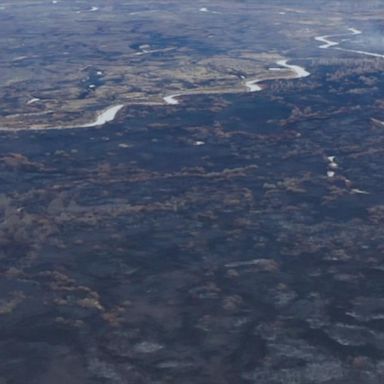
<point>191,192</point>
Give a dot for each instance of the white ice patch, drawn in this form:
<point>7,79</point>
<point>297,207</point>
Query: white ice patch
<point>331,162</point>
<point>359,191</point>
<point>105,117</point>
<point>327,43</point>
<point>300,71</point>
<point>206,10</point>
<point>355,31</point>
<point>253,86</point>
<point>33,100</point>
<point>171,99</point>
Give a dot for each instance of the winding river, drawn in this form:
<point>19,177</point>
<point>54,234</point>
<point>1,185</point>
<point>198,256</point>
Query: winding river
<point>330,43</point>
<point>251,85</point>
<point>110,113</point>
<point>326,41</point>
<point>300,72</point>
